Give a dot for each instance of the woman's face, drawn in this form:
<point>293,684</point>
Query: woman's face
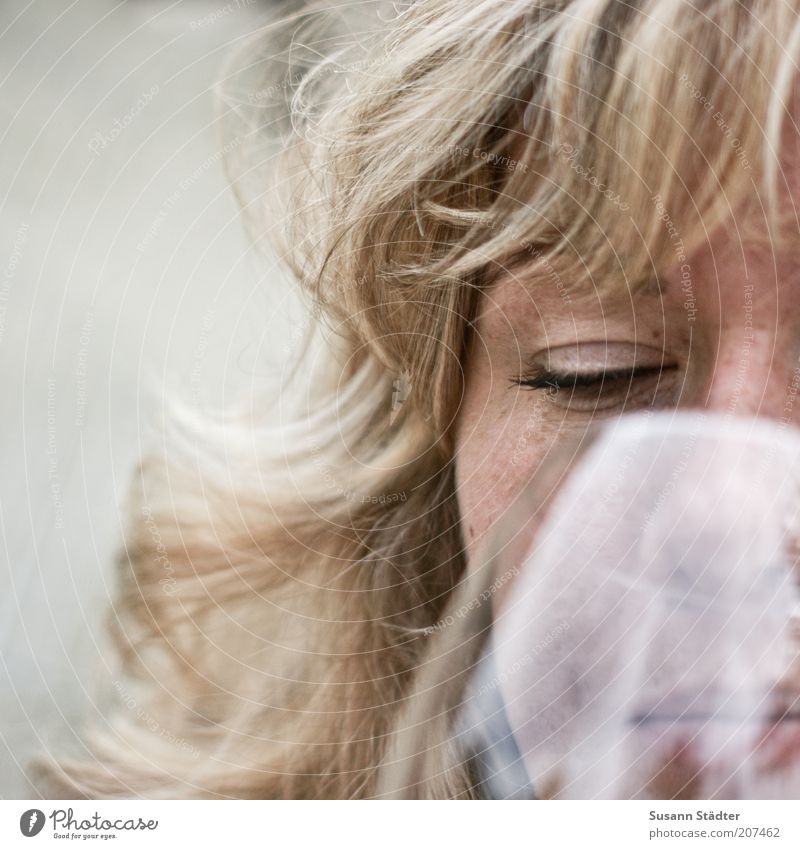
<point>720,331</point>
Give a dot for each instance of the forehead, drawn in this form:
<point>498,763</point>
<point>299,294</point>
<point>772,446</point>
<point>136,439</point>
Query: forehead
<point>560,292</point>
<point>749,228</point>
<point>757,245</point>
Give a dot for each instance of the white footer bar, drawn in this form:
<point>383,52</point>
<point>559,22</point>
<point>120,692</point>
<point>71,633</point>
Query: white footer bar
<point>402,825</point>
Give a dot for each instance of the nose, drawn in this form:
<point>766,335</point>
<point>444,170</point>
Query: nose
<point>751,364</point>
<point>743,331</point>
<point>756,375</point>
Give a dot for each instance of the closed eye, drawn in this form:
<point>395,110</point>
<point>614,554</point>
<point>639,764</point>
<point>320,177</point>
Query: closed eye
<point>556,381</point>
<point>604,391</point>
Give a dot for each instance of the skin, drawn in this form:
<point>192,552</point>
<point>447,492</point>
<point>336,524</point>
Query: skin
<point>736,351</point>
<point>738,355</point>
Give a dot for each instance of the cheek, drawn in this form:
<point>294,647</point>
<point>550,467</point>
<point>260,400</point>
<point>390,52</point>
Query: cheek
<point>500,441</point>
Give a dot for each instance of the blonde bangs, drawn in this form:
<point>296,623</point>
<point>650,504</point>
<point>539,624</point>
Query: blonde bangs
<point>612,139</point>
<point>631,155</point>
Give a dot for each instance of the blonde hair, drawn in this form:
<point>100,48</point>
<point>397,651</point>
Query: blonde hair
<point>590,142</point>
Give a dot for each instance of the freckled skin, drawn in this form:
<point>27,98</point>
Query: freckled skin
<point>738,355</point>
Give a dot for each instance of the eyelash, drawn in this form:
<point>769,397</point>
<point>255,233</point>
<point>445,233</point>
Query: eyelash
<point>555,381</point>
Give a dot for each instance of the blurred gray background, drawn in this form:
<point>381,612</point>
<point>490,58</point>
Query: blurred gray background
<point>124,273</point>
